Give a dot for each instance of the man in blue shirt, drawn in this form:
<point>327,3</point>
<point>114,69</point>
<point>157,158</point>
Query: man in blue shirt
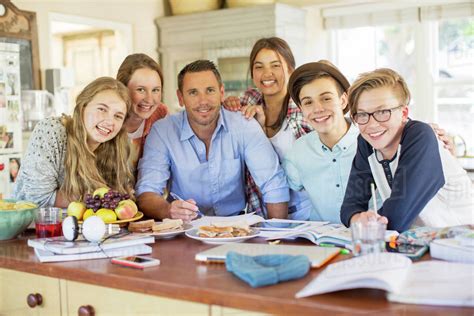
<point>202,152</point>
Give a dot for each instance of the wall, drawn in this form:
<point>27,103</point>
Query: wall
<point>119,11</point>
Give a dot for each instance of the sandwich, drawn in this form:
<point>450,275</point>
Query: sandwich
<point>168,225</point>
<point>141,226</point>
<point>218,230</point>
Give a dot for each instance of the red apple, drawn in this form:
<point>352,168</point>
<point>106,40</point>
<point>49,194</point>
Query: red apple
<point>126,209</point>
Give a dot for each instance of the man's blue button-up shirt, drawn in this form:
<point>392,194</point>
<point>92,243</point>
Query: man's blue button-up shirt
<point>173,152</point>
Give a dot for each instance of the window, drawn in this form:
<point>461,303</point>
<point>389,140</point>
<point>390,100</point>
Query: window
<point>454,83</point>
<point>431,47</point>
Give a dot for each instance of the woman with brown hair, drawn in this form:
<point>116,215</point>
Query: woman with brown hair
<point>144,80</point>
<point>68,157</point>
<point>271,64</point>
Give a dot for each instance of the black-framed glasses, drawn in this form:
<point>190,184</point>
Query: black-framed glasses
<point>384,115</point>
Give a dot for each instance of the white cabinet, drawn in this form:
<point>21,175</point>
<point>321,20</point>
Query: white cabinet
<point>225,37</point>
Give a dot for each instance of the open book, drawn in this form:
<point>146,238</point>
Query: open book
<point>48,256</point>
<point>427,282</point>
<point>59,245</point>
<point>335,234</point>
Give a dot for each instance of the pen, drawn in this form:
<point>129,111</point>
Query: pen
<point>343,251</point>
<point>177,197</point>
<point>372,188</point>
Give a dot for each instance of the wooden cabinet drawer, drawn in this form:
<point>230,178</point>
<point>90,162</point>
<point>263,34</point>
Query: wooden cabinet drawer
<point>16,286</point>
<point>106,301</point>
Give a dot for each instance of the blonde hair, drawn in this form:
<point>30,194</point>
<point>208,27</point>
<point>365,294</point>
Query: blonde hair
<point>107,166</point>
<point>383,77</point>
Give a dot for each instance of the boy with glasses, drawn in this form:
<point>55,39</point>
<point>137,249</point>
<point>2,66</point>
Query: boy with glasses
<point>418,180</point>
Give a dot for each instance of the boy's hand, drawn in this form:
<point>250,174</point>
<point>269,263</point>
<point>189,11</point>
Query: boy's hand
<point>256,111</point>
<point>368,216</point>
<point>232,103</point>
<point>185,210</point>
<point>445,138</point>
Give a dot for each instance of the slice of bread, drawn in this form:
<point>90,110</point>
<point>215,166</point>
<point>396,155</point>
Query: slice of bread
<point>141,226</point>
<point>168,224</point>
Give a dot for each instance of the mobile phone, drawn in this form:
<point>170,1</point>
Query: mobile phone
<point>138,262</point>
<point>411,251</point>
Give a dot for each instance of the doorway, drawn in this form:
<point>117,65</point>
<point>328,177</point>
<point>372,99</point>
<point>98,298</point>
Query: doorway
<point>87,48</point>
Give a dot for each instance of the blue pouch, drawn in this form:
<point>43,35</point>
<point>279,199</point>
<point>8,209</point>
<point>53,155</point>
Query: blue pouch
<point>266,269</point>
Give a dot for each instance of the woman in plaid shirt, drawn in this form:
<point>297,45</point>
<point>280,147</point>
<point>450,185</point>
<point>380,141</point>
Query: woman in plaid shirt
<point>271,64</point>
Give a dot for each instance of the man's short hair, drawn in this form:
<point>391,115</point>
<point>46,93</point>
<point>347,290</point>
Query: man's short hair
<point>383,77</point>
<point>198,66</point>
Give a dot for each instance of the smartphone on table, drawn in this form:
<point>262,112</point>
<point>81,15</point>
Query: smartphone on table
<point>138,262</point>
<point>411,251</point>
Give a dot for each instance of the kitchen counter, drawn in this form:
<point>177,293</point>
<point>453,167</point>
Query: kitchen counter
<point>181,278</point>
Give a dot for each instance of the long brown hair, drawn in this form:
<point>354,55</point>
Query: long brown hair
<point>137,61</point>
<point>282,49</point>
<point>107,166</point>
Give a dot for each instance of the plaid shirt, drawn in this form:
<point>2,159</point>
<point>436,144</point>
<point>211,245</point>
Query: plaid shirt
<point>298,126</point>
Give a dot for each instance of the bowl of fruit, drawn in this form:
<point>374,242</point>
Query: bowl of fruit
<point>111,206</point>
<point>15,216</point>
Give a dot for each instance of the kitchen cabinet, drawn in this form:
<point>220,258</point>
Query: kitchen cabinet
<point>62,297</point>
<point>16,287</point>
<point>226,37</point>
<point>107,301</point>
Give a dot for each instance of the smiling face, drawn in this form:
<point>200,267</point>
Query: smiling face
<point>383,136</point>
<point>103,117</point>
<point>322,106</point>
<point>145,91</point>
<point>202,96</point>
<point>270,73</point>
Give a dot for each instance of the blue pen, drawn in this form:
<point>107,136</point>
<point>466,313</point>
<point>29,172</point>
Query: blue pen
<point>177,197</point>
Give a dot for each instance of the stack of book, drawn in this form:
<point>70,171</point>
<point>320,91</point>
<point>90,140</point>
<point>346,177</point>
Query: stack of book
<point>58,249</point>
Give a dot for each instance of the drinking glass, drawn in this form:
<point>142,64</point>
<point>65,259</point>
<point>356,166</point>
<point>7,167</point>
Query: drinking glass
<point>48,222</point>
<point>368,237</point>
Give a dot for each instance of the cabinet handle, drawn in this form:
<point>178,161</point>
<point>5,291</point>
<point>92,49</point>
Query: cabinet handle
<point>34,300</point>
<point>86,310</point>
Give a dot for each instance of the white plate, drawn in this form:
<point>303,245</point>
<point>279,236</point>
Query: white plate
<point>171,234</point>
<point>217,241</point>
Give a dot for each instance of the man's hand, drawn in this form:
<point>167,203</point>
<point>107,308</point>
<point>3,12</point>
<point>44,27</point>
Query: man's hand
<point>185,210</point>
<point>232,103</point>
<point>368,216</point>
<point>256,111</point>
<point>445,138</point>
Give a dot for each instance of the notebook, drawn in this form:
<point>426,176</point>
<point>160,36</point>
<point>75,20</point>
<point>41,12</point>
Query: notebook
<point>317,256</point>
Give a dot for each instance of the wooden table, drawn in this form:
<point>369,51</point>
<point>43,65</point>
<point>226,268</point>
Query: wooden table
<point>180,277</point>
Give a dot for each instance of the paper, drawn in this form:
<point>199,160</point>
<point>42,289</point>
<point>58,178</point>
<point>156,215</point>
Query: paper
<point>438,283</point>
<point>384,271</point>
<point>250,219</point>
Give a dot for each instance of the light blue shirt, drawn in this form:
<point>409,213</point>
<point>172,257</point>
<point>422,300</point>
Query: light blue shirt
<point>322,172</point>
<point>173,152</point>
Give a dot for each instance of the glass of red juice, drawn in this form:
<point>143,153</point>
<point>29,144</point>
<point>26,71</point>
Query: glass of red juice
<point>48,222</point>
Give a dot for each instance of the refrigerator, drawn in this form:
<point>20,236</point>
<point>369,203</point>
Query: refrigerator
<point>10,117</point>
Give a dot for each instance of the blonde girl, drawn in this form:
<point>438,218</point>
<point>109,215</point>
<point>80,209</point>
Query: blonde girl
<point>68,157</point>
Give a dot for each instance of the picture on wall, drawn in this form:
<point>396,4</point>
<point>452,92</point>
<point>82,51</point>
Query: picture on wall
<point>12,86</point>
<point>13,110</point>
<point>15,164</point>
<point>2,95</point>
<point>6,138</point>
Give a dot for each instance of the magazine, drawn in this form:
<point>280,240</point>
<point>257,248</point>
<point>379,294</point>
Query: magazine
<point>59,245</point>
<point>404,281</point>
<point>335,234</point>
